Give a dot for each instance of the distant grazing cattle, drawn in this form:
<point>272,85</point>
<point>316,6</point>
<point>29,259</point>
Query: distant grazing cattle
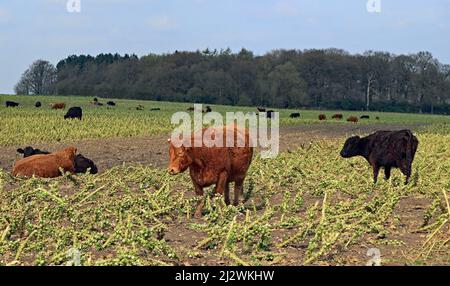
<point>11,104</point>
<point>111,103</point>
<point>295,115</point>
<point>208,109</point>
<point>378,118</point>
<point>261,109</point>
<point>95,99</point>
<point>191,109</point>
<point>74,113</point>
<point>365,117</point>
<point>58,106</point>
<point>46,166</point>
<point>338,116</point>
<point>270,114</point>
<point>385,149</point>
<point>38,104</point>
<point>81,163</point>
<point>140,108</point>
<point>155,109</point>
<point>322,117</point>
<point>214,166</point>
<point>353,119</point>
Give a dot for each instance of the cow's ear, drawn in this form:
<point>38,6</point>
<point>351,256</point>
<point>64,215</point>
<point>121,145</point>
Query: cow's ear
<point>72,150</point>
<point>20,151</point>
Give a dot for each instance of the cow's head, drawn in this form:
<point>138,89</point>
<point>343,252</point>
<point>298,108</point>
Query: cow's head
<point>70,153</point>
<point>351,147</point>
<point>180,159</point>
<point>83,164</point>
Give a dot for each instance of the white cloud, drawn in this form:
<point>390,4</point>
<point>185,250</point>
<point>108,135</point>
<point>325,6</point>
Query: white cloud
<point>287,8</point>
<point>402,23</point>
<point>162,23</point>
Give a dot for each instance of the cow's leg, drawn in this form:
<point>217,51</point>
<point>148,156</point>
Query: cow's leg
<point>376,171</point>
<point>227,193</point>
<point>387,172</point>
<point>201,204</point>
<point>223,188</point>
<point>406,170</point>
<point>238,190</point>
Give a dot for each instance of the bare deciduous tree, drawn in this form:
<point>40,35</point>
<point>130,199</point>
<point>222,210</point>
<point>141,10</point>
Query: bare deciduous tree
<point>39,78</point>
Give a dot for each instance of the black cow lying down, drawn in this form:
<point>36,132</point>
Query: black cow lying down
<point>82,164</point>
<point>385,149</point>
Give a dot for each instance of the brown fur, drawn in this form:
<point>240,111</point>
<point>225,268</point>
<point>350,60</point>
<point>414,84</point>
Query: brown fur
<point>353,119</point>
<point>322,117</point>
<point>46,166</point>
<point>214,166</point>
<point>58,106</point>
<point>338,116</point>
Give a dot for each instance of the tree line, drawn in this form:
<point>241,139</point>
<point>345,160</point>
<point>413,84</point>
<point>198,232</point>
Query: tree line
<point>319,79</point>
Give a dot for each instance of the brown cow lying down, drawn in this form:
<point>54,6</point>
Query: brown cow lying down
<point>46,166</point>
<point>387,149</point>
<point>214,165</point>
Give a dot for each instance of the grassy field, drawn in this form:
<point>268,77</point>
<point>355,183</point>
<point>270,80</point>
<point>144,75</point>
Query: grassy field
<point>31,125</point>
<point>306,207</point>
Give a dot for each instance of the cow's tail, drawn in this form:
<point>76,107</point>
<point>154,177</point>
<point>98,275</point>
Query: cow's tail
<point>411,146</point>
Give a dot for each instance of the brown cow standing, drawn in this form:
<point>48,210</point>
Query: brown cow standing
<point>46,166</point>
<point>338,116</point>
<point>58,106</point>
<point>387,149</point>
<point>322,117</point>
<point>214,165</point>
<point>353,119</point>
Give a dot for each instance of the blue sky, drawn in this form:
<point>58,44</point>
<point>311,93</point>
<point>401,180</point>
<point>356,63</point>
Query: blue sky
<point>43,29</point>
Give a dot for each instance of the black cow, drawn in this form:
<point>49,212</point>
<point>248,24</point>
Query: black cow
<point>261,109</point>
<point>30,151</point>
<point>82,164</point>
<point>270,114</point>
<point>111,103</point>
<point>38,104</point>
<point>208,109</point>
<point>95,99</point>
<point>155,109</point>
<point>295,115</point>
<point>11,104</point>
<point>74,113</point>
<point>384,149</point>
<point>365,117</point>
